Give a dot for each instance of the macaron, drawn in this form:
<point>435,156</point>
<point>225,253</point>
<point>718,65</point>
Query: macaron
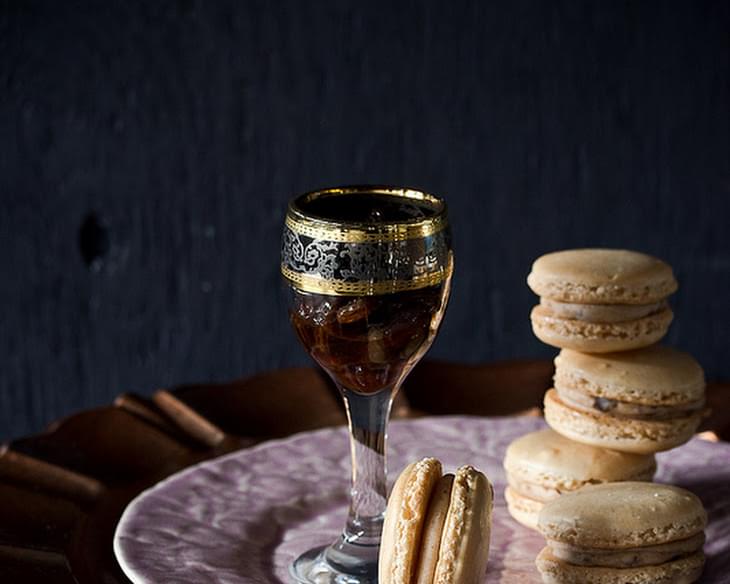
<point>601,300</point>
<point>641,401</point>
<point>616,533</point>
<point>436,528</point>
<point>541,466</point>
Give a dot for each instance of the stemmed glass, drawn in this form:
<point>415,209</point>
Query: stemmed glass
<point>368,271</point>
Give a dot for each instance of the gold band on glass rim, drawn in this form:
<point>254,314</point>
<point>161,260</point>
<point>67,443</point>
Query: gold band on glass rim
<point>319,285</point>
<point>359,232</point>
<point>384,233</point>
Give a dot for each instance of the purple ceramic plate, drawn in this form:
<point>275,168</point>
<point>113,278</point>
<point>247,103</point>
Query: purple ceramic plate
<point>244,517</point>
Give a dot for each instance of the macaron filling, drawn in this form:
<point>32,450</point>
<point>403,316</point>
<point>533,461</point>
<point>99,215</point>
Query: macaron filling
<point>599,337</point>
<point>628,557</point>
<point>600,313</point>
<point>532,490</point>
<point>584,401</point>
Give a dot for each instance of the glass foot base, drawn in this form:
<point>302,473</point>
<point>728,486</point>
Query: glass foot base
<point>339,563</point>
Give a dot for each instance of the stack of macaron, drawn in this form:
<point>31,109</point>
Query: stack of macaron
<point>614,387</point>
<point>617,399</point>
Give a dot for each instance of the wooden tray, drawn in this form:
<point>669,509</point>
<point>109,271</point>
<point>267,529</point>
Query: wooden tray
<point>62,492</point>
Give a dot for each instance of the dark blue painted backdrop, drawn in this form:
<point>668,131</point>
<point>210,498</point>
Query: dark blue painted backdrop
<point>147,150</point>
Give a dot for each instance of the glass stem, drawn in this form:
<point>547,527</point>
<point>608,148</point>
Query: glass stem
<point>367,416</point>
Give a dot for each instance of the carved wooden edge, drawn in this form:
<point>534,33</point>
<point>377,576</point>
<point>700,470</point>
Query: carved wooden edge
<point>32,555</point>
<point>144,409</point>
<point>188,420</point>
<point>31,566</point>
<point>163,412</point>
<point>170,414</point>
<point>27,470</point>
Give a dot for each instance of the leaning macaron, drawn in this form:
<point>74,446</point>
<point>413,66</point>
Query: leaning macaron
<point>630,532</point>
<point>404,520</point>
<point>641,401</point>
<point>601,300</point>
<point>541,466</point>
<point>436,528</point>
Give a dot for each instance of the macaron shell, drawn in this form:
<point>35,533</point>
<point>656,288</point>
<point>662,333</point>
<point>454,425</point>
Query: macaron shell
<point>594,337</point>
<point>523,509</point>
<point>622,434</point>
<point>433,527</point>
<point>550,460</point>
<point>682,571</point>
<point>615,516</point>
<point>404,519</point>
<point>464,548</point>
<point>654,375</point>
<point>602,276</point>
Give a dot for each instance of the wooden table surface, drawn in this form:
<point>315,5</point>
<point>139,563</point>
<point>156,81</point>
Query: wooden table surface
<point>62,492</point>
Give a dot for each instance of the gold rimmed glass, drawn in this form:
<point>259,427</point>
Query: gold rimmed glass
<point>368,271</point>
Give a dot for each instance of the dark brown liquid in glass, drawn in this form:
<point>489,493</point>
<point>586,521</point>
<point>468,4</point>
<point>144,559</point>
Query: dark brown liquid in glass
<point>368,343</point>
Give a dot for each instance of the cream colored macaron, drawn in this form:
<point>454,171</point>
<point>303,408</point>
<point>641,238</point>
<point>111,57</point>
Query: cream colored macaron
<point>623,532</point>
<point>640,401</point>
<point>541,466</point>
<point>436,528</point>
<point>601,300</point>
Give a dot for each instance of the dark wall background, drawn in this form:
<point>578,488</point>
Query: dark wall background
<point>147,150</point>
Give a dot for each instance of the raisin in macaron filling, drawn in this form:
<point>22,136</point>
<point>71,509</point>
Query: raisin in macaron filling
<point>593,403</point>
